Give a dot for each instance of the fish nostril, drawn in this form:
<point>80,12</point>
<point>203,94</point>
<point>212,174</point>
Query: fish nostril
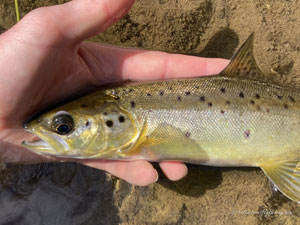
<point>25,126</point>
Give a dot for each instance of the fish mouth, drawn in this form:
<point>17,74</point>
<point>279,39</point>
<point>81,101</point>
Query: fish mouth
<point>38,145</point>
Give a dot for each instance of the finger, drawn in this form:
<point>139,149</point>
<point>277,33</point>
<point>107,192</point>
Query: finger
<point>159,65</point>
<point>89,17</point>
<point>116,63</point>
<point>174,170</point>
<point>78,19</point>
<point>139,172</point>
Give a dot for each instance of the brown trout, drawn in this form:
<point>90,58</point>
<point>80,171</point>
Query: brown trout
<point>239,117</point>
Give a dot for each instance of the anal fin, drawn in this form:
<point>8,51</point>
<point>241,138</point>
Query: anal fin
<point>285,175</point>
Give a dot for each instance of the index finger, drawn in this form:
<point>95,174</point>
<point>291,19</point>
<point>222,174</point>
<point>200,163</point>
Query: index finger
<point>119,63</point>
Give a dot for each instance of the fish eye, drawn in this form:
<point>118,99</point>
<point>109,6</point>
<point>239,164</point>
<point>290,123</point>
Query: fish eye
<point>63,124</point>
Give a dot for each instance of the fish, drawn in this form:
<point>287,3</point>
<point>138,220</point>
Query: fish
<point>239,117</point>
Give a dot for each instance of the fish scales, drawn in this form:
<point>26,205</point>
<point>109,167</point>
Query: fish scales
<point>239,117</point>
<point>234,114</point>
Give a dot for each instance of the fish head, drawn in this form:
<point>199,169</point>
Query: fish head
<point>97,129</point>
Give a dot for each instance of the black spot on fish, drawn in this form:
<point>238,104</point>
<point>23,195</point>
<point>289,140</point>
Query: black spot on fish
<point>132,104</point>
<point>258,108</point>
<point>83,106</point>
<point>257,96</point>
<point>291,99</point>
<point>179,98</point>
<point>209,104</point>
<point>202,98</point>
<point>148,94</point>
<point>279,97</point>
<point>87,123</point>
<point>252,102</point>
<point>121,119</point>
<point>131,90</point>
<point>197,87</point>
<point>187,93</point>
<point>222,111</point>
<point>247,133</point>
<point>105,113</point>
<point>161,93</point>
<point>170,88</point>
<point>109,123</point>
<point>188,134</point>
<point>223,90</point>
<point>227,102</point>
<point>285,106</point>
<point>241,95</point>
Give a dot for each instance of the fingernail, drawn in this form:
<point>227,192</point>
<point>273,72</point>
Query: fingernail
<point>157,177</point>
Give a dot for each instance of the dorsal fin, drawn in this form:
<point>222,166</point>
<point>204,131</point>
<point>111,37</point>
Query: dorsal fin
<point>243,63</point>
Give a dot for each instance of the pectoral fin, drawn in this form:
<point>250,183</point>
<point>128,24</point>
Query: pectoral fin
<point>169,142</point>
<point>285,175</point>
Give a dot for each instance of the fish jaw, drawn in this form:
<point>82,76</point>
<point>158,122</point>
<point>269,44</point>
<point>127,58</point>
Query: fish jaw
<point>43,147</point>
<point>44,143</point>
<point>39,146</point>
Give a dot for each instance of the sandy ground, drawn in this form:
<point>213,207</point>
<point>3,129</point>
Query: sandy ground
<point>209,29</point>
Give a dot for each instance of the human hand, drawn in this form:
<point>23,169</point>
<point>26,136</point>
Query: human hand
<point>44,60</point>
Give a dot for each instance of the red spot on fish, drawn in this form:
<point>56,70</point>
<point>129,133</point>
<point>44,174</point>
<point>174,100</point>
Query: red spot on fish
<point>247,133</point>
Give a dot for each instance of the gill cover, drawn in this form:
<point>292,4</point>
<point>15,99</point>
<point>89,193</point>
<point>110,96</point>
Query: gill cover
<point>120,128</point>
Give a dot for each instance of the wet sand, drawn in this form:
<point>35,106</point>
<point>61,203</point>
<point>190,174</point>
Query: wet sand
<point>208,195</point>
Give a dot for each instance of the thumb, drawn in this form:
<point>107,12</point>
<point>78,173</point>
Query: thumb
<point>74,21</point>
<point>85,18</point>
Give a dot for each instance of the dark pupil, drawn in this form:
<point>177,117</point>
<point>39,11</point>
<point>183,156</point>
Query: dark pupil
<point>63,128</point>
<point>63,124</point>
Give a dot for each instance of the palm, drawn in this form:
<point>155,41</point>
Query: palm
<point>51,74</point>
<point>40,68</point>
